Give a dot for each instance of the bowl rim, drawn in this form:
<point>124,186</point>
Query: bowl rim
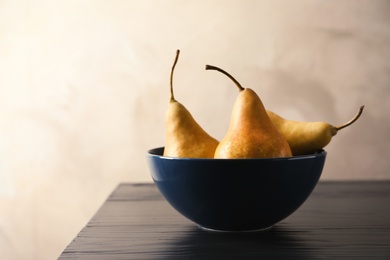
<point>153,153</point>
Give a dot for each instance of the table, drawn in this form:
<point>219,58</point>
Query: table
<point>349,220</point>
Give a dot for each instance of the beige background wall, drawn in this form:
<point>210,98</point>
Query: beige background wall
<point>84,86</point>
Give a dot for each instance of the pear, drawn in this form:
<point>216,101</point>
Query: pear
<point>251,133</point>
<point>185,138</point>
<point>307,137</point>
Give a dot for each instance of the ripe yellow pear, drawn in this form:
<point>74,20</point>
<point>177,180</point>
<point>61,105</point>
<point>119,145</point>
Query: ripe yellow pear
<point>307,137</point>
<point>251,133</point>
<point>184,136</point>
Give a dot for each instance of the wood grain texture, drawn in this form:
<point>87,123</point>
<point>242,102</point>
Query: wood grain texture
<point>349,220</point>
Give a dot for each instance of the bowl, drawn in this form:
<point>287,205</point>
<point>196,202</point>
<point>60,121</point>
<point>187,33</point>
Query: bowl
<point>235,194</point>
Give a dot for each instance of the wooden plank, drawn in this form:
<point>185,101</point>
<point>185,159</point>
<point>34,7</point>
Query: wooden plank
<point>340,219</point>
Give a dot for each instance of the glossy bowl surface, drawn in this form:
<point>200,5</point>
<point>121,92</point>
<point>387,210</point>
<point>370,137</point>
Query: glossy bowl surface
<point>235,194</point>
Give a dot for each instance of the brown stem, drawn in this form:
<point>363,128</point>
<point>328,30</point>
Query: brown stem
<point>352,120</point>
<point>173,68</point>
<point>210,67</point>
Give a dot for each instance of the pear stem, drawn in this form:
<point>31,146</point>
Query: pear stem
<point>352,120</point>
<point>210,67</point>
<point>173,68</point>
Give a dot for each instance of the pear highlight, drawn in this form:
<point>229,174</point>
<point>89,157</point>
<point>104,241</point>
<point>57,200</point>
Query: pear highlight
<point>185,138</point>
<point>308,137</point>
<point>251,133</point>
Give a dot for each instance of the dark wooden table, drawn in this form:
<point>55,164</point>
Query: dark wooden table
<point>340,220</point>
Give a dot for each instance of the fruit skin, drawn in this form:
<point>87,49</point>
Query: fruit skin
<point>251,133</point>
<point>307,137</point>
<point>184,137</point>
<point>303,137</point>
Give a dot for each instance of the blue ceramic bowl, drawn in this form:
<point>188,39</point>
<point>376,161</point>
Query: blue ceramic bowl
<point>236,194</point>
